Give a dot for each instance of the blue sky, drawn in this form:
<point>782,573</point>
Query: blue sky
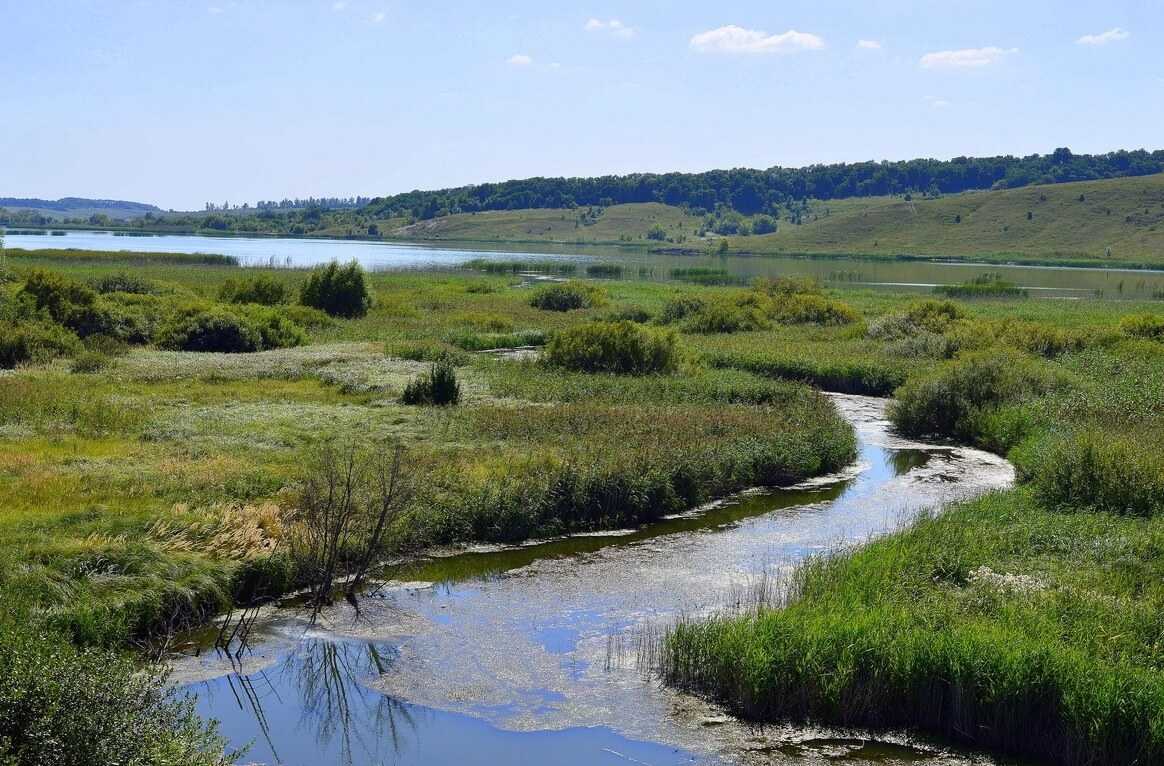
<point>178,103</point>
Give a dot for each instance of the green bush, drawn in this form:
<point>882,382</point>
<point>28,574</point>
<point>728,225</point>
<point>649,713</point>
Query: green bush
<point>614,347</point>
<point>307,317</point>
<point>439,387</point>
<point>341,291</point>
<point>34,342</point>
<point>953,400</point>
<point>484,341</point>
<point>209,329</point>
<point>89,361</point>
<point>725,316</point>
<point>61,706</point>
<point>1097,470</point>
<point>802,308</point>
<point>264,290</point>
<point>60,296</point>
<point>213,328</point>
<point>679,307</point>
<point>123,283</point>
<point>426,351</point>
<point>567,296</point>
<point>1148,326</point>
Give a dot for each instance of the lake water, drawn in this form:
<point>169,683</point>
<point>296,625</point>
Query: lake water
<point>529,654</point>
<point>920,276</point>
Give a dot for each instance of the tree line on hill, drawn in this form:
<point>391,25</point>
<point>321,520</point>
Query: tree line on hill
<point>752,191</point>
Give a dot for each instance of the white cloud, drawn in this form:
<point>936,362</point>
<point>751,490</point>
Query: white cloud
<point>378,17</point>
<point>1112,35</point>
<point>737,40</point>
<point>612,27</point>
<point>938,103</point>
<point>967,58</point>
<point>869,45</point>
<point>339,5</point>
<point>519,59</point>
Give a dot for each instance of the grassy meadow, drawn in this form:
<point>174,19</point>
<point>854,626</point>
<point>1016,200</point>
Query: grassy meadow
<point>144,487</point>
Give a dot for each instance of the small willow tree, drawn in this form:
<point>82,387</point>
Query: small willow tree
<point>348,500</point>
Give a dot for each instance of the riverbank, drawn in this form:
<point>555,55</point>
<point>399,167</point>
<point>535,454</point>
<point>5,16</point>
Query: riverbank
<point>1025,622</point>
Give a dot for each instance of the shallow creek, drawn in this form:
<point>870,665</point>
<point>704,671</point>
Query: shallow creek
<point>529,654</point>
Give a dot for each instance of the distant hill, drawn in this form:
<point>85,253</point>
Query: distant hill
<point>1111,221</point>
<point>751,191</point>
<point>76,207</point>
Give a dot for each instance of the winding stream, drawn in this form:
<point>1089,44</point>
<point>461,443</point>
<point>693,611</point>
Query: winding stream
<point>528,654</point>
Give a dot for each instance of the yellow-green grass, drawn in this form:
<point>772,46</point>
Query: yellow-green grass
<point>617,224</point>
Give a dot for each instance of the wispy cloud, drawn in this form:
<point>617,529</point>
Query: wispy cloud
<point>737,40</point>
<point>378,17</point>
<point>519,59</point>
<point>937,103</point>
<point>613,27</point>
<point>214,10</point>
<point>966,58</point>
<point>869,45</point>
<point>339,5</point>
<point>1113,35</point>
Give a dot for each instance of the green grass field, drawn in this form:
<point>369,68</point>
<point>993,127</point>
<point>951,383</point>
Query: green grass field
<point>146,490</point>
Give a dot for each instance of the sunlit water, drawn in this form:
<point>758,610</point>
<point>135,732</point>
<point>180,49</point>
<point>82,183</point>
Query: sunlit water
<point>897,275</point>
<point>528,654</point>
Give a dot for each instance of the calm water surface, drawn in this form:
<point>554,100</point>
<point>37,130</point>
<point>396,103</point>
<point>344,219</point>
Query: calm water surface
<point>528,654</point>
<point>910,275</point>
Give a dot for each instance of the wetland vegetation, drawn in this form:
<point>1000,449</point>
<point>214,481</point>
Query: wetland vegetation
<point>156,414</point>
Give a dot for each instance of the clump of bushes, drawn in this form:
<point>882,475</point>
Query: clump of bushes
<point>212,328</point>
<point>679,307</point>
<point>34,342</point>
<point>123,283</point>
<point>426,351</point>
<point>439,387</point>
<point>1148,326</point>
<point>622,348</point>
<point>89,361</point>
<point>811,309</point>
<point>264,290</point>
<point>568,296</point>
<point>965,398</point>
<point>340,291</point>
<point>1097,470</point>
<point>65,706</point>
<point>726,316</point>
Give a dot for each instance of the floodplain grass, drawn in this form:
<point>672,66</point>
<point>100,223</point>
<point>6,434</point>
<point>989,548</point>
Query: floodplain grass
<point>119,487</point>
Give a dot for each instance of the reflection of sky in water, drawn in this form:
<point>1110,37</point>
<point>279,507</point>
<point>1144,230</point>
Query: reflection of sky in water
<point>527,654</point>
<point>312,709</point>
<point>915,276</point>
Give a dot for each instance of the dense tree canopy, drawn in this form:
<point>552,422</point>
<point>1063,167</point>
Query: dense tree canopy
<point>754,191</point>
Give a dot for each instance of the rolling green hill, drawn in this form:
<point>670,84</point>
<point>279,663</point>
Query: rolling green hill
<point>1109,221</point>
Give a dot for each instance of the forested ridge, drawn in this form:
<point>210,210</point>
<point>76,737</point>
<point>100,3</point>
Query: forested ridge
<point>753,191</point>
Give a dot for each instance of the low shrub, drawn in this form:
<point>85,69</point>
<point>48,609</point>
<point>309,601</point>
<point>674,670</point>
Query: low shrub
<point>61,706</point>
<point>34,342</point>
<point>264,290</point>
<point>209,330</point>
<point>307,317</point>
<point>613,347</point>
<point>340,291</point>
<point>567,296</point>
<point>725,316</point>
<point>439,387</point>
<point>1099,471</point>
<point>58,295</point>
<point>275,329</point>
<point>801,308</point>
<point>123,283</point>
<point>89,361</point>
<point>1149,326</point>
<point>679,307</point>
<point>953,400</point>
